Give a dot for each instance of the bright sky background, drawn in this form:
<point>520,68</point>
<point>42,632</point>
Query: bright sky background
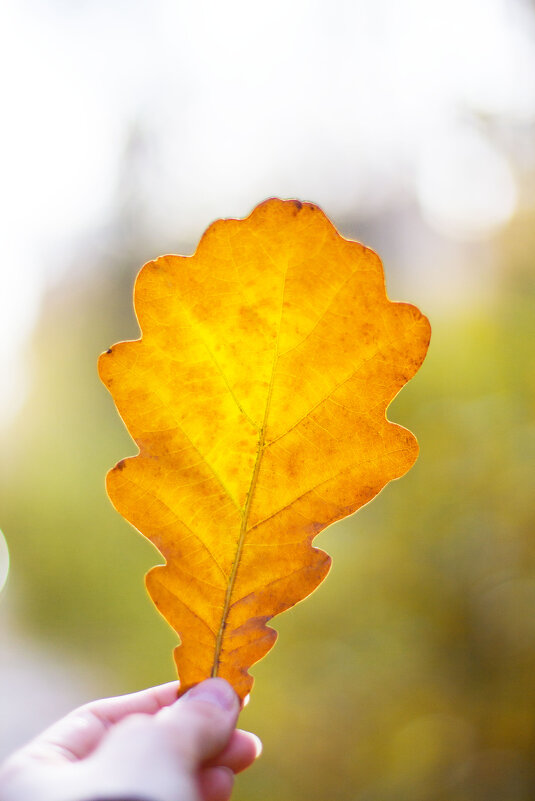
<point>349,103</point>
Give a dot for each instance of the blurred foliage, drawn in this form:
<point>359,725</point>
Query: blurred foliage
<point>410,673</point>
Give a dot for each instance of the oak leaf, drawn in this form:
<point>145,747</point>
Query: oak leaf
<point>257,396</point>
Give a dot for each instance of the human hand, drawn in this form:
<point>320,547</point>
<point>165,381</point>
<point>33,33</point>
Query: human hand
<point>147,746</point>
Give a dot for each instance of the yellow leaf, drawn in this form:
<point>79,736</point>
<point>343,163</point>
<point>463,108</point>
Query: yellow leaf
<point>257,396</point>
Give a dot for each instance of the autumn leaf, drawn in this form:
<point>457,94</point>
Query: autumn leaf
<point>257,396</point>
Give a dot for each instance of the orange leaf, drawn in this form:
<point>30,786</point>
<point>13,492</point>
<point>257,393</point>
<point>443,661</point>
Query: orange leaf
<point>257,397</point>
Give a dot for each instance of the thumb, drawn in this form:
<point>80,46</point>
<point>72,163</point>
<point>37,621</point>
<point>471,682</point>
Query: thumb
<point>201,722</point>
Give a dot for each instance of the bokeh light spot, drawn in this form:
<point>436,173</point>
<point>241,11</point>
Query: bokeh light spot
<point>4,561</point>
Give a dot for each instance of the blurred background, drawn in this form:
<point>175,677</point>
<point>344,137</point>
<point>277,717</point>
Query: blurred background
<point>128,128</point>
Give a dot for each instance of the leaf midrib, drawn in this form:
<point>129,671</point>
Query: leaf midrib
<point>250,494</point>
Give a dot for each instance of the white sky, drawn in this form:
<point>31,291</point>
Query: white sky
<point>343,102</point>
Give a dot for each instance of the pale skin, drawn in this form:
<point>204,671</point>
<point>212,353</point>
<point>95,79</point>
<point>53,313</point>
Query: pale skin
<point>147,746</point>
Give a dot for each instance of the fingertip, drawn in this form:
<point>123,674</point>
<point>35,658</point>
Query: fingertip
<point>242,750</point>
<point>257,743</point>
<point>214,691</point>
<point>247,749</point>
<point>216,783</point>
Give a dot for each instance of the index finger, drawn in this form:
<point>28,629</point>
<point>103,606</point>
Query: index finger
<point>75,736</point>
